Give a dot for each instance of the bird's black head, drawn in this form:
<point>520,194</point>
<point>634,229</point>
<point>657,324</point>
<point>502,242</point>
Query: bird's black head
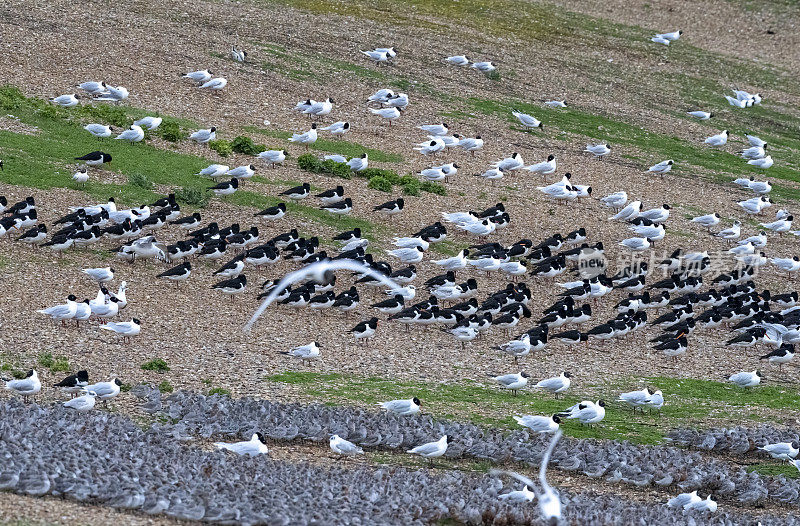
<point>450,439</point>
<point>601,403</point>
<point>524,374</point>
<point>314,126</point>
<point>136,321</point>
<point>401,202</point>
<point>29,374</point>
<point>72,297</point>
<point>213,128</point>
<point>261,438</point>
<point>416,401</point>
<point>83,376</point>
<point>550,157</point>
<point>556,419</point>
<point>118,382</point>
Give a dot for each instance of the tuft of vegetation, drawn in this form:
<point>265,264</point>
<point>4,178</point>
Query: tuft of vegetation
<point>157,364</point>
<point>140,180</point>
<point>193,196</point>
<point>221,146</point>
<point>245,145</point>
<point>410,185</point>
<point>165,387</point>
<point>170,131</point>
<point>433,188</point>
<point>310,163</point>
<point>55,364</point>
<point>380,183</point>
<point>329,166</point>
<point>218,391</point>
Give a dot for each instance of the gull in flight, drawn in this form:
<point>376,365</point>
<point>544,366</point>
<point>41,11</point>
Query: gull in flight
<point>321,272</point>
<point>549,501</point>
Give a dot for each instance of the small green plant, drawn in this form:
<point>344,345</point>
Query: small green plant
<point>245,145</point>
<point>330,166</point>
<point>165,387</point>
<point>493,75</point>
<point>410,185</point>
<point>309,163</point>
<point>157,364</point>
<point>433,188</point>
<point>11,97</point>
<point>50,112</point>
<point>54,363</point>
<point>380,183</point>
<point>125,387</point>
<point>221,146</point>
<point>46,359</point>
<point>206,382</point>
<point>140,180</point>
<point>106,114</point>
<point>192,196</point>
<point>170,131</point>
<point>60,364</point>
<point>218,391</point>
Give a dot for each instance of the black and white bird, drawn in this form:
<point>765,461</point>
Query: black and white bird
<point>298,192</point>
<point>272,213</point>
<point>225,188</point>
<point>96,158</point>
<point>233,286</point>
<point>334,195</point>
<point>178,273</point>
<point>365,330</point>
<point>781,355</point>
<point>339,208</point>
<point>74,383</point>
<point>391,208</point>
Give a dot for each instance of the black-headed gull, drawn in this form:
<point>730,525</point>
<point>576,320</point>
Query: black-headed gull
<point>200,76</point>
<point>662,168</point>
<point>66,101</point>
<point>526,120</point>
<point>215,85</point>
<point>204,136</point>
<point>98,130</point>
<point>257,445</point>
<point>402,407</point>
<point>432,450</point>
<point>457,60</point>
<point>25,387</point>
<point>539,424</point>
<point>344,447</point>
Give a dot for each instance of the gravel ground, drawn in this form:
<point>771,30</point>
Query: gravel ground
<point>198,331</point>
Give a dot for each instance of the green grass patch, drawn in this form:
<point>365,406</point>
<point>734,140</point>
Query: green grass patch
<point>716,393</point>
<point>218,391</point>
<point>335,146</point>
<point>54,363</point>
<point>775,470</point>
<point>480,403</point>
<point>256,200</point>
<point>46,160</point>
<point>690,402</point>
<point>158,365</point>
<point>165,387</point>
